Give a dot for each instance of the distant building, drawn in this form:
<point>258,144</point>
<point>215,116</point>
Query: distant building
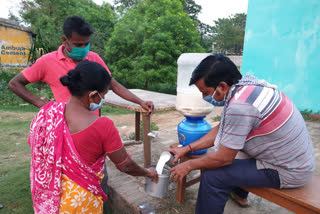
<point>15,43</point>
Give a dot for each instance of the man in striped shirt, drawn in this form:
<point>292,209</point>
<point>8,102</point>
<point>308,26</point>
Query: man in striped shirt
<point>258,120</point>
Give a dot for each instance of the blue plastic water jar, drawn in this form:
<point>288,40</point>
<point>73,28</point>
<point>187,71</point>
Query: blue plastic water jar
<point>192,129</point>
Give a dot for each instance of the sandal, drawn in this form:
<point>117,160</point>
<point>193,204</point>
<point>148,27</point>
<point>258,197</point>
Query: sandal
<point>232,196</point>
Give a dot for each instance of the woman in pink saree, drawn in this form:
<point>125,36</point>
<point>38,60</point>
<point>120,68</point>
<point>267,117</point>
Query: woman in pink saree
<point>69,145</point>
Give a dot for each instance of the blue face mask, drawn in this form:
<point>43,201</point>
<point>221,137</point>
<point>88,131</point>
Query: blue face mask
<point>77,53</point>
<point>95,106</point>
<point>211,100</point>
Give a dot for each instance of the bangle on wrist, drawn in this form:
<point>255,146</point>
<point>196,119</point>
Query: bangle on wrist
<point>190,148</point>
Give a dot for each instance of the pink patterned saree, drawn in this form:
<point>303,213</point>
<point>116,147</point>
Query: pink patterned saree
<point>53,154</point>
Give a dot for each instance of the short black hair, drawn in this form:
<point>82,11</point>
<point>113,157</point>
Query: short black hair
<point>78,25</point>
<point>214,69</point>
<point>87,76</point>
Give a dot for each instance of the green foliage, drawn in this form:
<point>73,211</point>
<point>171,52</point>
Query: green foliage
<point>153,127</point>
<point>229,34</point>
<point>216,118</point>
<point>168,88</point>
<point>11,102</point>
<point>122,6</point>
<point>305,114</point>
<point>147,41</point>
<point>46,18</point>
<point>191,8</point>
<point>205,31</point>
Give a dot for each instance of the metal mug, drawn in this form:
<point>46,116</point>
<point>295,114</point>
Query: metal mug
<point>159,189</point>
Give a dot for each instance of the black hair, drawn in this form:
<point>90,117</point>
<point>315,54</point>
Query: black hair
<point>87,76</point>
<point>214,69</point>
<point>78,25</point>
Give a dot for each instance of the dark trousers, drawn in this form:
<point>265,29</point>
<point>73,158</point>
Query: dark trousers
<point>217,184</point>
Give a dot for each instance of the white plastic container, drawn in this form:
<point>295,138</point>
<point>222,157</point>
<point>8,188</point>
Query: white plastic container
<point>189,98</point>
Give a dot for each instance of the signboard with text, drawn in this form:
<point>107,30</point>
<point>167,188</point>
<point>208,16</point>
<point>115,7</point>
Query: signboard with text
<point>14,47</point>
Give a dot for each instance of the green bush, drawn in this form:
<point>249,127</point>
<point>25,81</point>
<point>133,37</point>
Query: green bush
<point>10,101</point>
<point>167,88</point>
<point>305,114</point>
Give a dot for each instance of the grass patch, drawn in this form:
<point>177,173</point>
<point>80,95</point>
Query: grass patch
<point>9,101</point>
<point>153,127</point>
<point>216,118</point>
<point>163,112</point>
<point>19,108</point>
<point>15,192</point>
<point>109,110</point>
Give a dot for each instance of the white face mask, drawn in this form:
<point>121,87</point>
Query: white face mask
<point>95,106</point>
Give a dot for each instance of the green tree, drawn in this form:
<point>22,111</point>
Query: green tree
<point>13,17</point>
<point>192,8</point>
<point>206,33</point>
<point>229,34</point>
<point>122,6</point>
<point>189,6</point>
<point>205,30</point>
<point>46,18</point>
<point>147,42</point>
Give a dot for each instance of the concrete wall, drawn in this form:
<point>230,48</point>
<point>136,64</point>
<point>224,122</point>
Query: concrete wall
<point>15,42</point>
<point>282,46</point>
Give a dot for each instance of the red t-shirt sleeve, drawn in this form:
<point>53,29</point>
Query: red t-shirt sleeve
<point>36,72</point>
<point>111,138</point>
<point>101,62</point>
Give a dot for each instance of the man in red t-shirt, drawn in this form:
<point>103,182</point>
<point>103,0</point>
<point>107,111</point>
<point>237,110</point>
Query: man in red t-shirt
<point>50,67</point>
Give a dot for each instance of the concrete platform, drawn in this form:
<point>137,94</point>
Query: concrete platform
<point>127,192</point>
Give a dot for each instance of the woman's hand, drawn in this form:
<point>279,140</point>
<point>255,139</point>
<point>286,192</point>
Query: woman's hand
<point>152,173</point>
<point>178,153</point>
<point>180,171</point>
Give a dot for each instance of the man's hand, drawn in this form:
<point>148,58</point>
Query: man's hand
<point>178,153</point>
<point>18,86</point>
<point>180,171</point>
<point>148,105</point>
<point>127,95</point>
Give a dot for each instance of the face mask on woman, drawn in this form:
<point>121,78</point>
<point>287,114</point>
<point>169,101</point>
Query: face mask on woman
<point>211,100</point>
<point>95,106</point>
